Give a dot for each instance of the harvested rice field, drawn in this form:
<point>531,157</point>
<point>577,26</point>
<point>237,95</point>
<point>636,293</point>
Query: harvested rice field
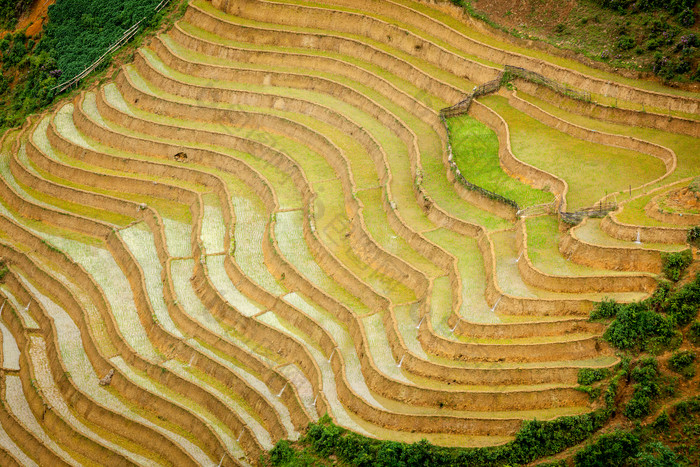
<point>288,211</point>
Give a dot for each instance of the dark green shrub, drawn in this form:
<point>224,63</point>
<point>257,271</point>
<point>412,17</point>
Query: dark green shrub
<point>588,376</point>
<point>653,44</point>
<point>11,10</point>
<point>674,264</point>
<point>608,308</point>
<point>611,449</point>
<point>694,232</point>
<point>694,333</point>
<point>656,454</point>
<point>686,18</point>
<point>282,453</point>
<point>662,422</point>
<point>682,67</point>
<point>684,409</point>
<point>625,43</point>
<point>593,392</point>
<point>683,305</point>
<point>683,363</point>
<point>560,463</point>
<point>637,327</point>
<point>79,31</point>
<point>646,388</point>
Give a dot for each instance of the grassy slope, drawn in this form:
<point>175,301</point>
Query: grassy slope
<point>623,39</point>
<point>475,148</point>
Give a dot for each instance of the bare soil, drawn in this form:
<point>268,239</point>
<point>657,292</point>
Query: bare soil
<point>35,19</point>
<point>684,199</point>
<point>527,14</point>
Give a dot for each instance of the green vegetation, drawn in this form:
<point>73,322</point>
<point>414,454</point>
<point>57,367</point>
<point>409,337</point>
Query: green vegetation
<point>669,441</point>
<point>78,32</point>
<point>609,449</point>
<point>475,149</point>
<point>694,236</point>
<point>646,388</point>
<point>29,72</point>
<point>622,448</point>
<point>653,36</point>
<point>673,7</point>
<point>608,308</point>
<point>3,270</point>
<point>11,10</point>
<point>683,362</point>
<point>681,427</point>
<point>638,327</point>
<point>651,324</point>
<point>588,376</point>
<point>694,333</point>
<point>674,264</point>
<point>328,444</point>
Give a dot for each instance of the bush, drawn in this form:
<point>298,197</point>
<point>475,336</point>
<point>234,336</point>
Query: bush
<point>660,297</point>
<point>588,376</point>
<point>608,308</point>
<point>11,10</point>
<point>637,327</point>
<point>646,389</point>
<point>685,409</point>
<point>675,263</point>
<point>282,453</point>
<point>625,43</point>
<point>686,18</point>
<point>662,422</point>
<point>694,333</point>
<point>683,363</point>
<point>653,44</point>
<point>694,232</point>
<point>611,449</point>
<point>683,305</point>
<point>656,454</point>
<point>79,31</point>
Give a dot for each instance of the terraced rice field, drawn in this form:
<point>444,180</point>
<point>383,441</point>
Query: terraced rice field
<point>261,220</point>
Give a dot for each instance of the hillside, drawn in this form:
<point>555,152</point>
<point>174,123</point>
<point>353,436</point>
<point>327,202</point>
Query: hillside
<point>649,39</point>
<point>341,232</point>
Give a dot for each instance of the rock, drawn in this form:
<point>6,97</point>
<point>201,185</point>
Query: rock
<point>107,379</point>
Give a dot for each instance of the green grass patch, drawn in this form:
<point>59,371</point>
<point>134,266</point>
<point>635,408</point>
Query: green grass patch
<point>591,170</point>
<point>684,146</point>
<point>475,149</point>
